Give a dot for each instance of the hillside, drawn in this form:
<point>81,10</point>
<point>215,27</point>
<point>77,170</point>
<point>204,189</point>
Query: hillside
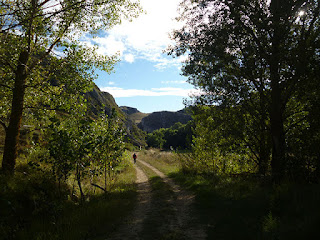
<point>103,101</point>
<point>163,119</point>
<point>134,114</point>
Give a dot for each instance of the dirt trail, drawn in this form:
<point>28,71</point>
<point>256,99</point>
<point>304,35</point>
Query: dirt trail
<point>133,226</point>
<point>187,222</point>
<point>182,225</point>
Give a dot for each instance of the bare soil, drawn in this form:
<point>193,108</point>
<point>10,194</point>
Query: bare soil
<point>170,216</point>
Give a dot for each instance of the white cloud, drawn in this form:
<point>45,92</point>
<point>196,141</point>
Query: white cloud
<point>174,82</point>
<point>111,83</point>
<point>109,45</point>
<point>129,58</point>
<point>154,92</point>
<point>145,37</point>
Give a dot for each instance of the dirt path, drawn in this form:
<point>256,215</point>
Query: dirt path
<point>171,217</point>
<point>133,226</point>
<point>186,222</point>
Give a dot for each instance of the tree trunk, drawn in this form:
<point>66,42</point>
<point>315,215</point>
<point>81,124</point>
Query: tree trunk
<point>264,146</point>
<point>278,161</point>
<point>264,151</point>
<point>78,173</point>
<point>13,130</point>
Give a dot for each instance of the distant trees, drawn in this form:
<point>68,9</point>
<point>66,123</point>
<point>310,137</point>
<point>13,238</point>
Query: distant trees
<point>38,40</point>
<point>260,60</point>
<point>179,136</point>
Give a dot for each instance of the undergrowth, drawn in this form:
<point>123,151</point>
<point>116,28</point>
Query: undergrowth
<point>33,205</point>
<point>166,161</point>
<point>248,208</point>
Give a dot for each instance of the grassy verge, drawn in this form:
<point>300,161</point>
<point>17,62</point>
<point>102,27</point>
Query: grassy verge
<point>34,206</point>
<point>247,208</point>
<point>165,161</point>
<point>244,209</point>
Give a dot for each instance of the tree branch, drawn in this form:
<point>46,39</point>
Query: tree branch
<point>55,42</point>
<point>97,186</point>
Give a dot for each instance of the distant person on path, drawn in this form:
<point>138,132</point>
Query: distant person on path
<point>134,158</point>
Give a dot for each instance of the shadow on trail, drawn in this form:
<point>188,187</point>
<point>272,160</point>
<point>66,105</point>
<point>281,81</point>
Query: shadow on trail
<point>160,223</point>
<point>163,211</point>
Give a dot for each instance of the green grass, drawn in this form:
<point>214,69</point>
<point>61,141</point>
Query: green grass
<point>247,207</point>
<point>234,208</point>
<point>166,161</point>
<point>34,206</point>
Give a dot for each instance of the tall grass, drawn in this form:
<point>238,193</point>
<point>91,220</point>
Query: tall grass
<point>244,206</point>
<point>35,206</point>
<point>248,208</point>
<point>166,161</point>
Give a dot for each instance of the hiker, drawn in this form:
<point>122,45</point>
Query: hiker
<point>134,158</point>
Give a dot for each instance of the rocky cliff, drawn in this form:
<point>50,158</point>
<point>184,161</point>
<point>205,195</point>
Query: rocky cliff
<point>134,114</point>
<point>104,102</point>
<point>163,119</point>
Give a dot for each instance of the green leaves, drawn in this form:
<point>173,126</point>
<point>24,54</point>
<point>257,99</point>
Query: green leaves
<point>56,68</point>
<point>85,147</point>
<point>253,59</point>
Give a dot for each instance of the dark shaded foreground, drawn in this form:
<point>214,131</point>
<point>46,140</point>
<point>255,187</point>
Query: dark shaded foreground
<point>163,211</point>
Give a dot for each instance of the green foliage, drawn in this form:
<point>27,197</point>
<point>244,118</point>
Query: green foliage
<point>222,142</point>
<point>28,195</point>
<point>85,148</point>
<point>34,82</point>
<point>257,67</point>
<point>176,137</point>
<point>156,139</point>
<point>35,206</point>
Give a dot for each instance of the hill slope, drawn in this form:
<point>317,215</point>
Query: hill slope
<point>103,101</point>
<point>134,114</point>
<point>163,119</point>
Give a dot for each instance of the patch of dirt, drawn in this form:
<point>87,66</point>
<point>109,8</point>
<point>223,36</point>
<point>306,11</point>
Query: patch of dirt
<point>186,223</point>
<point>180,222</point>
<point>133,226</point>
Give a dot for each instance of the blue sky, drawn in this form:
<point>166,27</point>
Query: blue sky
<point>145,78</point>
<point>142,85</point>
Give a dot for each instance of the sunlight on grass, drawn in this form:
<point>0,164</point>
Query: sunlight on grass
<point>165,161</point>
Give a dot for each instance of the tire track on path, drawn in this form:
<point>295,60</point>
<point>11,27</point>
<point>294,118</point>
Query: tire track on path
<point>186,222</point>
<point>133,226</point>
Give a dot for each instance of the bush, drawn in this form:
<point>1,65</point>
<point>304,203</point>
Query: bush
<point>27,196</point>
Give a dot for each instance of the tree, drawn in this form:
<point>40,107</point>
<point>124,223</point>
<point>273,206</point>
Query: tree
<point>229,132</point>
<point>237,49</point>
<point>31,32</point>
<point>177,136</point>
<point>108,145</point>
<point>156,138</point>
<point>82,146</point>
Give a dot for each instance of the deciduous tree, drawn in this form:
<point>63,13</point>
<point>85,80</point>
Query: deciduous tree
<point>33,31</point>
<point>239,48</point>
